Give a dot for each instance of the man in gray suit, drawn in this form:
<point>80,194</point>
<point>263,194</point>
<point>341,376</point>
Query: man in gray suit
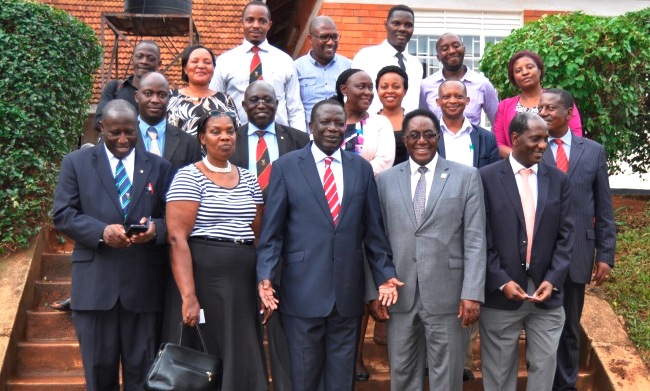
<point>435,221</point>
<point>585,163</point>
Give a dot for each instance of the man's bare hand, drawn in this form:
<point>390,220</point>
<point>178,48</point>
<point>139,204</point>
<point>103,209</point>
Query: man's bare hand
<point>115,236</point>
<point>469,311</point>
<point>378,311</point>
<point>388,291</point>
<point>267,295</point>
<point>601,273</point>
<point>513,291</point>
<point>144,237</point>
<point>543,292</point>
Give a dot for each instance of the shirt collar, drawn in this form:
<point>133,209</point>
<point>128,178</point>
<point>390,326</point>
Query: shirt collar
<point>264,46</point>
<point>516,166</point>
<point>160,127</point>
<point>413,166</point>
<point>466,127</point>
<point>566,139</point>
<point>126,158</point>
<point>319,155</point>
<point>316,63</point>
<point>269,129</point>
<point>390,49</point>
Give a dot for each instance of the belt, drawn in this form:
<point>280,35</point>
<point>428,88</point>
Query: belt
<point>243,242</point>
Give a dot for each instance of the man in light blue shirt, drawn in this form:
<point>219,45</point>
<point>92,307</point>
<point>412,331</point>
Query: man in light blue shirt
<point>319,69</point>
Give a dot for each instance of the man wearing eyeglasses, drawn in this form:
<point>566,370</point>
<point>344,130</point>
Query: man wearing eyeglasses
<point>255,59</point>
<point>319,69</point>
<point>435,221</point>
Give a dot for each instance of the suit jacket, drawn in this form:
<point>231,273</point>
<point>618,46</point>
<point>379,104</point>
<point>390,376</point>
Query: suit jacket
<point>591,207</point>
<point>289,139</point>
<point>445,254</point>
<point>180,148</point>
<point>553,234</point>
<point>485,147</point>
<point>85,202</point>
<point>323,264</point>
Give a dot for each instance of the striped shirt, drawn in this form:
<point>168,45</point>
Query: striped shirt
<point>223,212</point>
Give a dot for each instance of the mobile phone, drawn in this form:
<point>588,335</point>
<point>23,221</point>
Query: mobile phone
<point>133,229</point>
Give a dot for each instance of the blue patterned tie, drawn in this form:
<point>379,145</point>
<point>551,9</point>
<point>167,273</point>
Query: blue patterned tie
<point>123,185</point>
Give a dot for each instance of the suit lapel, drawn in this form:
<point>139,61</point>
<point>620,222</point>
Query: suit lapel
<point>241,147</point>
<point>577,148</point>
<point>441,146</point>
<point>404,184</point>
<point>542,194</point>
<point>105,174</point>
<point>281,137</point>
<point>307,166</point>
<point>349,182</point>
<point>510,186</point>
<point>547,157</point>
<point>476,145</point>
<point>440,177</point>
<point>172,139</point>
<point>141,170</point>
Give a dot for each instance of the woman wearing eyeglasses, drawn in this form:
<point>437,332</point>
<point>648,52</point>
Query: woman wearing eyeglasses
<point>188,104</point>
<point>214,213</point>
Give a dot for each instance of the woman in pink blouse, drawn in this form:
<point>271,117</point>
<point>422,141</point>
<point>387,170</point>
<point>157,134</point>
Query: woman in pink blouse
<point>525,70</point>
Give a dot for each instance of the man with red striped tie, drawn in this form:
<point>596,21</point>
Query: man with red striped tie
<point>322,215</point>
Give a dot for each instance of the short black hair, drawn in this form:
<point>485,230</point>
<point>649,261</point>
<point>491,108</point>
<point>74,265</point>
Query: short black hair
<point>449,81</point>
<point>400,7</point>
<point>420,113</point>
<point>186,57</point>
<point>323,102</point>
<point>519,123</point>
<point>148,42</point>
<point>342,79</point>
<point>256,2</point>
<point>565,97</point>
<point>393,69</point>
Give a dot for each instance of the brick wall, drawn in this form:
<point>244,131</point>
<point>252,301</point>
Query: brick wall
<point>534,15</point>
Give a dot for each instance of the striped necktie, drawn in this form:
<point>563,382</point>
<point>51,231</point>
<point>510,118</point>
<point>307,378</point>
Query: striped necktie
<point>256,66</point>
<point>263,162</point>
<point>400,61</point>
<point>561,160</point>
<point>329,186</point>
<point>123,185</point>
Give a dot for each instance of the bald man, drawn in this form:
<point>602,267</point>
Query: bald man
<point>319,69</point>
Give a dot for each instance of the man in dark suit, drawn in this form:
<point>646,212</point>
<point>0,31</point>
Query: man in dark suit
<point>174,145</point>
<point>585,163</point>
<point>117,278</point>
<point>530,240</point>
<point>322,213</point>
<point>261,104</point>
<point>468,144</point>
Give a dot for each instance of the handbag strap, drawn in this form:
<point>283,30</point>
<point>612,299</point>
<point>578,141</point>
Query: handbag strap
<point>198,332</point>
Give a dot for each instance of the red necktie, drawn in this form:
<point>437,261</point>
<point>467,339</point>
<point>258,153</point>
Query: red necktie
<point>329,186</point>
<point>561,160</point>
<point>256,65</point>
<point>263,162</point>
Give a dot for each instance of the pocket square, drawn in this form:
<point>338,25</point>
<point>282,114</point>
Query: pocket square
<point>150,188</point>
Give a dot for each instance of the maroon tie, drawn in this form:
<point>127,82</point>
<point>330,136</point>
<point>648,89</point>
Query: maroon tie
<point>329,186</point>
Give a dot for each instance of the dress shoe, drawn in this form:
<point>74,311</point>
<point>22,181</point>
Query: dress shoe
<point>62,305</point>
<point>362,376</point>
<point>467,375</point>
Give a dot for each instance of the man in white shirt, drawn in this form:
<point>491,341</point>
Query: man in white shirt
<point>233,74</point>
<point>399,30</point>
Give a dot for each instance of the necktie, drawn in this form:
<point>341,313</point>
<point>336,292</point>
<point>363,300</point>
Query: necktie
<point>329,186</point>
<point>561,160</point>
<point>153,134</point>
<point>123,185</point>
<point>263,162</point>
<point>419,198</point>
<point>256,66</point>
<point>528,204</point>
<point>400,61</point>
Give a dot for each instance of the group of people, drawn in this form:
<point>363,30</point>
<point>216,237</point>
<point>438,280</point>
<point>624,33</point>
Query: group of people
<point>401,207</point>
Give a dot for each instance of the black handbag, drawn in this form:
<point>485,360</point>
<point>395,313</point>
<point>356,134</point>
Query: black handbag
<point>180,368</point>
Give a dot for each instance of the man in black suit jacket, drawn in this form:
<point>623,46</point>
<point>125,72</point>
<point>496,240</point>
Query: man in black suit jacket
<point>261,104</point>
<point>591,208</point>
<point>178,147</point>
<point>117,280</point>
<point>529,252</point>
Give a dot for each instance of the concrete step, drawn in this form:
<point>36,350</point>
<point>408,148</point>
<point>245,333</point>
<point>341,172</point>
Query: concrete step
<point>50,325</point>
<point>45,359</point>
<point>52,383</point>
<point>50,291</point>
<point>56,267</point>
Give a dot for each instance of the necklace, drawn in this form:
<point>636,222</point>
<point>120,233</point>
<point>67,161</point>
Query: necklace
<point>214,168</point>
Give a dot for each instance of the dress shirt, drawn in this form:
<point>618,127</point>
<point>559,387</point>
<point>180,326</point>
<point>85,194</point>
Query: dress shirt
<point>160,128</point>
<point>128,161</point>
<point>336,166</point>
<point>458,146</point>
<point>481,93</point>
<point>532,178</point>
<point>231,77</point>
<point>566,144</point>
<point>415,176</point>
<point>271,145</point>
<point>318,82</point>
<point>373,58</point>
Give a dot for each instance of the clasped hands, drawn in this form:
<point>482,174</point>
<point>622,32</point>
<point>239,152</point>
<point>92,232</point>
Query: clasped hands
<point>114,235</point>
<point>513,291</point>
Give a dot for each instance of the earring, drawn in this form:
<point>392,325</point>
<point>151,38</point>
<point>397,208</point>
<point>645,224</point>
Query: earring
<point>345,99</point>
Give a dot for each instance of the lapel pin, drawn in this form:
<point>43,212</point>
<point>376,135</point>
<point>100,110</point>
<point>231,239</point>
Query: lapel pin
<point>281,137</point>
<point>141,171</point>
<point>443,175</point>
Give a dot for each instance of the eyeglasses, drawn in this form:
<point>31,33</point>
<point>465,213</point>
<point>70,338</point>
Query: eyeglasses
<point>200,126</point>
<point>415,136</point>
<point>325,38</point>
<point>267,100</point>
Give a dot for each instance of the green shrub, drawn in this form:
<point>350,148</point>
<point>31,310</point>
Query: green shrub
<point>603,62</point>
<point>47,59</point>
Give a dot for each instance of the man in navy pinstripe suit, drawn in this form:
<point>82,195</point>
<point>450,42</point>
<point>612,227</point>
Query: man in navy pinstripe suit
<point>595,232</point>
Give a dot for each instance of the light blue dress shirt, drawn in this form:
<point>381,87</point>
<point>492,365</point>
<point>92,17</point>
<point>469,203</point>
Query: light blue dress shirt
<point>271,145</point>
<point>160,128</point>
<point>566,144</point>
